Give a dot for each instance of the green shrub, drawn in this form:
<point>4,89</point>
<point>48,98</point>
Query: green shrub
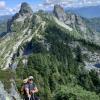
<point>5,77</point>
<point>71,92</point>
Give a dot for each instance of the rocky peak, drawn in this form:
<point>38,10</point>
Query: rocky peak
<point>25,9</point>
<point>19,18</point>
<point>59,12</point>
<point>69,18</point>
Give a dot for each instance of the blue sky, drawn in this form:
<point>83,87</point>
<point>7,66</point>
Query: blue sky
<point>12,6</point>
<point>13,3</point>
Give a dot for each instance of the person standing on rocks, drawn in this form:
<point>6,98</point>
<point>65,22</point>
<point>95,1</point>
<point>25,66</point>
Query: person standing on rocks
<point>31,89</point>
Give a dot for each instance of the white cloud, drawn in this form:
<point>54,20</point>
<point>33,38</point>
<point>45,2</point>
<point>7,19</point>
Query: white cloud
<point>48,4</point>
<point>14,10</point>
<point>4,10</point>
<point>2,4</point>
<point>72,3</point>
<point>38,7</point>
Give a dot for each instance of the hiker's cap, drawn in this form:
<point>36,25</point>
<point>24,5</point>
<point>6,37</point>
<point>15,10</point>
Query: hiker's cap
<point>30,77</point>
<point>25,80</point>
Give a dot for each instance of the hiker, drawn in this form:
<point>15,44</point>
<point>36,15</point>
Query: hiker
<point>30,89</point>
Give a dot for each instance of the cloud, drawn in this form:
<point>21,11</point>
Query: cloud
<point>47,5</point>
<point>72,3</point>
<point>13,10</point>
<point>4,10</point>
<point>37,7</point>
<point>2,4</point>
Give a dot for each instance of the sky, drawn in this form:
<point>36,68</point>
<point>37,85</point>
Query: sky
<point>12,6</point>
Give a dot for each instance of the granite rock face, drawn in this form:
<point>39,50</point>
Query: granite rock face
<point>77,23</point>
<point>19,18</point>
<point>69,18</point>
<point>25,9</point>
<point>3,93</point>
<point>13,95</point>
<point>59,13</point>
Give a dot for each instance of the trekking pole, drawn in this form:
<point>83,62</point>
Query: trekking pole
<point>29,98</point>
<point>33,96</point>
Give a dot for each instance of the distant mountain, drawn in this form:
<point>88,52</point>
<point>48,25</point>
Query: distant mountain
<point>76,22</point>
<point>5,17</point>
<point>94,23</point>
<point>88,12</point>
<point>3,27</point>
<point>3,23</point>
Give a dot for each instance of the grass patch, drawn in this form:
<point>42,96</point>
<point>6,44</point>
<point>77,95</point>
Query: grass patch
<point>5,78</point>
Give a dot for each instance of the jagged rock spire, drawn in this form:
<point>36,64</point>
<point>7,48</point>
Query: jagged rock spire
<point>25,9</point>
<point>59,12</point>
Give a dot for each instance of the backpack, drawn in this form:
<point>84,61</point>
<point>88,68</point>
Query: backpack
<point>22,91</point>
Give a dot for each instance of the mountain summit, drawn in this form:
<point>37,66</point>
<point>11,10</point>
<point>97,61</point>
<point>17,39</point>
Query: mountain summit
<point>59,12</point>
<point>77,23</point>
<point>25,9</point>
<point>18,19</point>
<point>69,18</point>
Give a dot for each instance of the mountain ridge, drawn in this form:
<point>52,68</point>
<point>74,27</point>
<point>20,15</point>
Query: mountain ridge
<point>87,12</point>
<point>56,50</point>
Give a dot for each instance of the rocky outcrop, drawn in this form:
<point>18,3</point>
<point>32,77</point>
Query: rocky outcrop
<point>19,18</point>
<point>4,95</point>
<point>78,24</point>
<point>36,19</point>
<point>69,18</point>
<point>59,13</point>
<point>25,9</point>
<point>13,91</point>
